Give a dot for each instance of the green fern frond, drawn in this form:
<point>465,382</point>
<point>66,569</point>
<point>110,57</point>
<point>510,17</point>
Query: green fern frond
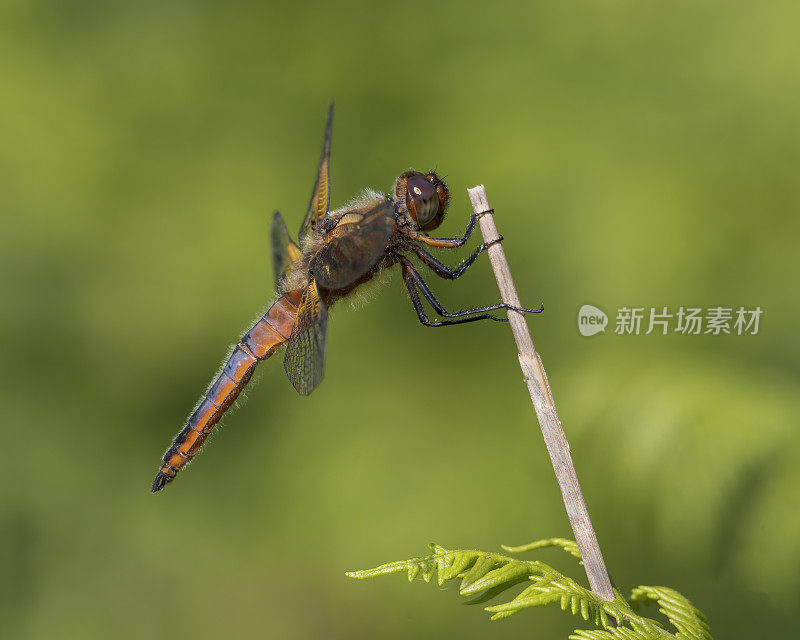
<point>482,572</point>
<point>687,619</point>
<point>622,633</point>
<point>570,546</point>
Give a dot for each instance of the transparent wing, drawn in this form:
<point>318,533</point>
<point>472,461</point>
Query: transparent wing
<point>304,361</point>
<point>284,251</point>
<point>353,246</point>
<point>320,196</point>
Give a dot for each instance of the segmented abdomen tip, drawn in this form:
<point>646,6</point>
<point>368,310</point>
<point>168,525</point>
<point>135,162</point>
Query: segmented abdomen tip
<point>160,481</point>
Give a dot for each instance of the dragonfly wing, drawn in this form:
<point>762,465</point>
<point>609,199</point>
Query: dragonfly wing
<point>284,251</point>
<point>320,196</point>
<point>353,246</point>
<point>305,353</point>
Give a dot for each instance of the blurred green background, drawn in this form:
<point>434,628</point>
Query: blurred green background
<point>639,154</point>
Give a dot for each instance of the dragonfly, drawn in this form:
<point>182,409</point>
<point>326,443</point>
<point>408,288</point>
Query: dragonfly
<point>337,252</point>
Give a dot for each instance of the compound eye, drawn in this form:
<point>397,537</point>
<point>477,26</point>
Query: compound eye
<point>422,200</point>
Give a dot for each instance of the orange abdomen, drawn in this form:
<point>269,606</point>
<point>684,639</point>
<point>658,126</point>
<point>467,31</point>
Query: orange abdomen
<point>269,333</point>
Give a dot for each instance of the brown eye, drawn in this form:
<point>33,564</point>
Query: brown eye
<point>422,200</point>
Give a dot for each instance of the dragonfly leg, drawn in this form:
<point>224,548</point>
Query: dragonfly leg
<point>442,270</point>
<point>449,243</point>
<point>415,285</point>
<point>424,319</point>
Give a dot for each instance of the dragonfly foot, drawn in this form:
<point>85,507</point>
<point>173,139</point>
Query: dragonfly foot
<point>486,245</point>
<point>511,307</point>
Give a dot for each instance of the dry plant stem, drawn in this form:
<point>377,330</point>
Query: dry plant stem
<point>536,379</point>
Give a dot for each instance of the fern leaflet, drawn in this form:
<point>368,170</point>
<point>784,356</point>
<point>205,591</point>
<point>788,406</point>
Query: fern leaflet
<point>491,573</point>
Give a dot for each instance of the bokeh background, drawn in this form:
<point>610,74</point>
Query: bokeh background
<point>637,154</point>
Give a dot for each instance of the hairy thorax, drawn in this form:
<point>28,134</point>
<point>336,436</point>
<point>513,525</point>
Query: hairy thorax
<point>317,237</point>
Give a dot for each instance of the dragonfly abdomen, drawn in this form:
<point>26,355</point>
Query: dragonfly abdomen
<point>270,332</point>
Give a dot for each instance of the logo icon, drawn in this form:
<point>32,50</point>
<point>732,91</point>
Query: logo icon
<point>591,320</point>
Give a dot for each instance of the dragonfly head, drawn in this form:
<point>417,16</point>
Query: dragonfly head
<point>425,198</point>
